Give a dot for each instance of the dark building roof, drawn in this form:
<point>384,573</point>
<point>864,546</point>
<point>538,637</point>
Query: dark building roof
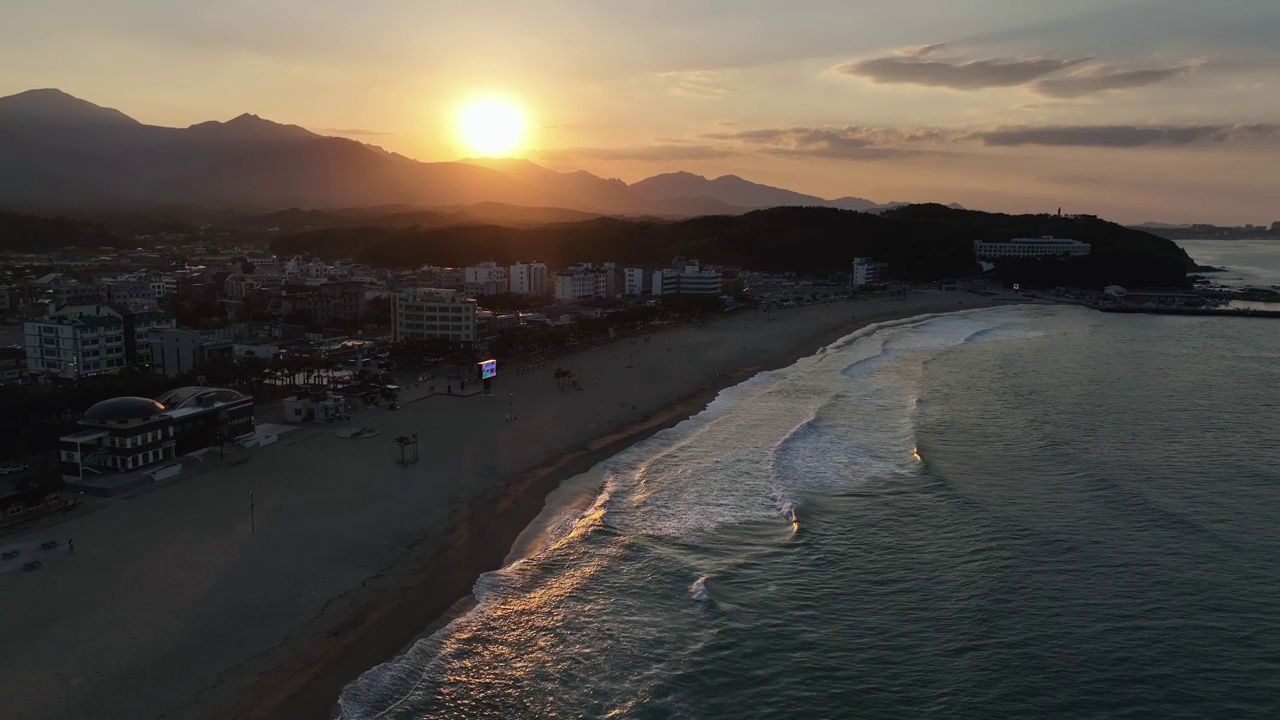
<point>198,397</point>
<point>123,408</point>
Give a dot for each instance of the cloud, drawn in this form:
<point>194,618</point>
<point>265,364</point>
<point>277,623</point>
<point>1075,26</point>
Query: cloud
<point>354,131</point>
<point>1122,136</point>
<point>913,69</point>
<point>1103,78</point>
<point>836,143</point>
<point>1048,77</point>
<point>694,83</point>
<point>924,50</point>
<point>647,153</point>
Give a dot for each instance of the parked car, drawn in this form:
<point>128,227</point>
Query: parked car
<point>12,469</point>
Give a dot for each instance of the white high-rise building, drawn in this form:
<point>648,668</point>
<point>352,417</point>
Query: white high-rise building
<point>487,278</point>
<point>666,282</point>
<point>528,278</point>
<point>636,281</point>
<point>868,272</point>
<point>421,313</point>
<point>84,340</point>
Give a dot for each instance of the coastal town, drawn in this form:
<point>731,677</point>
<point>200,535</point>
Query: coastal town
<point>230,346</point>
<point>148,387</point>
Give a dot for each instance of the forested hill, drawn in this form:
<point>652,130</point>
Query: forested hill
<point>920,242</point>
<point>29,233</point>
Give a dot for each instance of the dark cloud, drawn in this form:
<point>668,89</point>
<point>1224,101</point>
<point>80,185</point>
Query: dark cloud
<point>847,143</point>
<point>1122,136</point>
<point>912,69</point>
<point>651,153</point>
<point>1045,76</point>
<point>1102,79</point>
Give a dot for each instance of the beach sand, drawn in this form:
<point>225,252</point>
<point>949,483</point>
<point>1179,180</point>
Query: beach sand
<point>172,607</point>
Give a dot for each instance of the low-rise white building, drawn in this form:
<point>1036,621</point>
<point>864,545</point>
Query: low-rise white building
<point>421,313</point>
<point>314,405</point>
<point>573,284</point>
<point>1047,246</point>
<point>696,281</point>
<point>487,278</point>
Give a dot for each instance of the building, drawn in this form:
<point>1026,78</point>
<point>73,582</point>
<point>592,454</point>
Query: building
<point>120,434</point>
<point>487,278</point>
<point>1044,247</point>
<point>421,313</point>
<point>324,302</point>
<point>202,417</point>
<point>637,281</point>
<point>665,282</point>
<point>78,341</point>
<point>131,433</point>
<point>13,366</point>
<point>528,278</point>
<point>7,302</point>
<point>573,284</point>
<point>868,272</point>
<point>21,500</point>
<point>137,292</point>
<point>174,351</point>
<point>267,266</point>
<point>490,324</point>
<point>441,277</point>
<point>314,405</point>
<point>693,279</point>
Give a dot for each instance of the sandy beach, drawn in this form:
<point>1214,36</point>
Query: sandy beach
<point>172,607</point>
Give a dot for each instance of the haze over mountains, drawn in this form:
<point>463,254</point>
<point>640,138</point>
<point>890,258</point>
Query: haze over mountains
<point>59,151</point>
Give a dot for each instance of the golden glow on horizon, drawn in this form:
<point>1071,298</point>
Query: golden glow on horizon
<point>492,127</point>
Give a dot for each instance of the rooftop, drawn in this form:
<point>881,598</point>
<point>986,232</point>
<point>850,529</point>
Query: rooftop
<point>123,408</point>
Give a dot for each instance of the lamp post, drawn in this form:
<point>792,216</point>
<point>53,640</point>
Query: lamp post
<point>252,524</point>
<point>510,402</point>
<point>415,446</point>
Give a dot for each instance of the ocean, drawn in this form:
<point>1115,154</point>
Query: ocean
<point>1248,263</point>
<point>1020,512</point>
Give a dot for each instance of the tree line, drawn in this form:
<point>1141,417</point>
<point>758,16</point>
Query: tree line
<point>921,243</point>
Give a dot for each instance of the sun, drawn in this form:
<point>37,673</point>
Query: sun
<point>491,127</point>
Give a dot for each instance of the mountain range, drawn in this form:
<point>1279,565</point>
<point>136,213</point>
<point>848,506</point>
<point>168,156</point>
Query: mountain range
<point>59,151</point>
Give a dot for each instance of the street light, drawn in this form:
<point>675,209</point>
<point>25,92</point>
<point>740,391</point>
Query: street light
<point>252,525</point>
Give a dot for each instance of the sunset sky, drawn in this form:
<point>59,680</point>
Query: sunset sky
<point>1136,110</point>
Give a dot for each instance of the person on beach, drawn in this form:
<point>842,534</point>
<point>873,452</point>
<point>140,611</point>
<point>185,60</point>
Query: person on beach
<point>71,545</point>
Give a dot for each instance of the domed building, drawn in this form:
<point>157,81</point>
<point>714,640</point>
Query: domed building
<point>120,434</point>
<point>128,434</point>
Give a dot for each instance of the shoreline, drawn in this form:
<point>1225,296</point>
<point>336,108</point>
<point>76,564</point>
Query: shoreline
<point>303,677</point>
<point>176,607</point>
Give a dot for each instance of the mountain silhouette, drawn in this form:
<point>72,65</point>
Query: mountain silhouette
<point>59,151</point>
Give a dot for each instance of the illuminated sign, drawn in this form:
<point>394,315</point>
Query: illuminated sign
<point>488,369</point>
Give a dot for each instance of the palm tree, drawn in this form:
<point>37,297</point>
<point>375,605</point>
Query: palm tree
<point>403,441</point>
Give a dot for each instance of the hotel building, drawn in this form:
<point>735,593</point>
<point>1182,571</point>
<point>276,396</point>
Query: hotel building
<point>421,313</point>
<point>1047,246</point>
